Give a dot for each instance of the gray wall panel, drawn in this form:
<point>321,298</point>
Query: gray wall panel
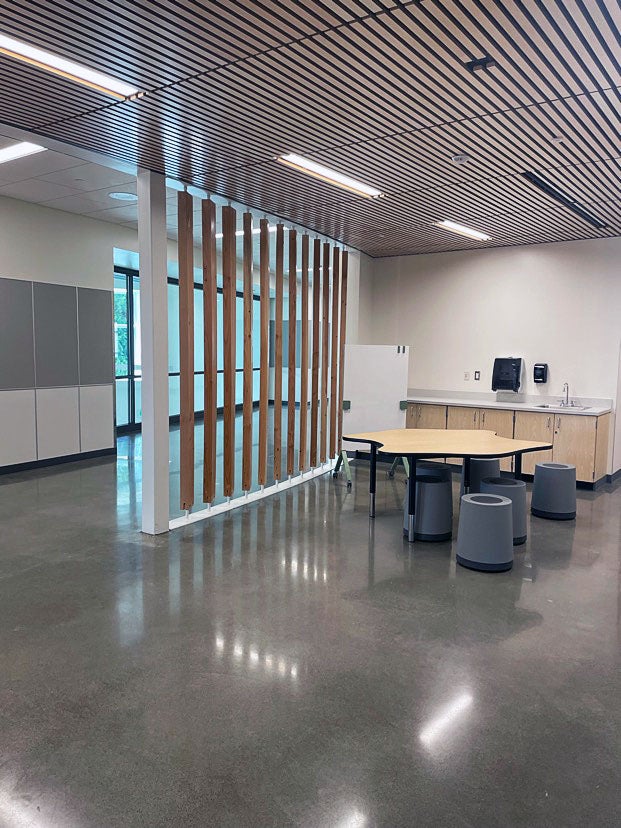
<point>56,335</point>
<point>16,342</point>
<point>96,340</point>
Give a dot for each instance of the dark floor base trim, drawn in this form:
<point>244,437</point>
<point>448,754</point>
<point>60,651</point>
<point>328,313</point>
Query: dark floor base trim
<point>57,461</point>
<point>553,515</point>
<point>519,541</point>
<point>432,538</point>
<point>612,478</point>
<point>484,567</point>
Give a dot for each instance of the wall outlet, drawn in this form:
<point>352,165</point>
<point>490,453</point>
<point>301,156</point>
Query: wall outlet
<point>477,375</point>
<point>466,375</point>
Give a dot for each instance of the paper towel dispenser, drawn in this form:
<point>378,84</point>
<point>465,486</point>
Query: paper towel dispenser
<point>507,374</point>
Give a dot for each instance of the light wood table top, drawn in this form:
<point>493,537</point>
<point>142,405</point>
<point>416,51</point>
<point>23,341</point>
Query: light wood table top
<point>427,442</point>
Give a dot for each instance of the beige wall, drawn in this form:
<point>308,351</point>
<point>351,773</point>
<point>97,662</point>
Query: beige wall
<point>555,303</point>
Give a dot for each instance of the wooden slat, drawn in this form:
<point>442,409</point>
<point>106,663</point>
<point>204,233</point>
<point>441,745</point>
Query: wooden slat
<point>248,307</point>
<point>278,307</point>
<point>325,354</point>
<point>229,337</point>
<point>334,350</point>
<point>302,464</point>
<point>342,340</point>
<point>264,373</point>
<point>293,257</point>
<point>210,328</point>
<point>186,349</point>
<point>314,402</point>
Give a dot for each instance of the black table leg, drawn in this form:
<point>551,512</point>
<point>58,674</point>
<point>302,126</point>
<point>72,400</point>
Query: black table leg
<point>411,498</point>
<point>517,472</point>
<point>466,475</point>
<point>372,480</point>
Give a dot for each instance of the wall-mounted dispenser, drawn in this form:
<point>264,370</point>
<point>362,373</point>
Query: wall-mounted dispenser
<point>507,374</point>
<point>540,372</point>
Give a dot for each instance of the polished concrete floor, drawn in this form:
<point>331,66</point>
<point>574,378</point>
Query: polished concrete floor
<point>291,664</point>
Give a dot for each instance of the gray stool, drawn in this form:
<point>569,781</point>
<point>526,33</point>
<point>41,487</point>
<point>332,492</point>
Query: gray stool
<point>554,491</point>
<point>434,509</point>
<point>485,533</point>
<point>515,490</point>
<point>425,468</point>
<point>480,467</point>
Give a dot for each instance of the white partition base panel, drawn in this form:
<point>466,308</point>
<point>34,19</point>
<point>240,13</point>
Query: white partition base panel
<point>251,497</point>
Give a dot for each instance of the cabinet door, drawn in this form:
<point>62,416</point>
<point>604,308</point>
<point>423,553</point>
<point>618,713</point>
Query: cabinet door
<point>501,423</point>
<point>460,417</point>
<point>431,416</point>
<point>411,415</point>
<point>533,426</point>
<point>574,442</point>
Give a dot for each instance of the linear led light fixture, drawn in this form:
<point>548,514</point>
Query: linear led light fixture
<point>462,230</point>
<point>551,189</point>
<point>66,68</point>
<point>19,151</point>
<point>297,162</point>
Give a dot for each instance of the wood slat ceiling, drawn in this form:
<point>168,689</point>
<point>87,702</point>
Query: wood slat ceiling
<point>377,89</point>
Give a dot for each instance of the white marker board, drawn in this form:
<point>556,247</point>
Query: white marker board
<point>375,382</point>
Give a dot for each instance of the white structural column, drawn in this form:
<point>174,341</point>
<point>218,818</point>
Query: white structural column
<point>154,344</point>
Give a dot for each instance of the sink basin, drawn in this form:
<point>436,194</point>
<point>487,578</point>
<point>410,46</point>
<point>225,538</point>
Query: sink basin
<point>564,407</point>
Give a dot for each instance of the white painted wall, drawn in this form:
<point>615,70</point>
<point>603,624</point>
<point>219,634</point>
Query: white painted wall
<point>555,303</point>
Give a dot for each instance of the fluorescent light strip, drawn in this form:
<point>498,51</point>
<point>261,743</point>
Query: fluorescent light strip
<point>462,230</point>
<point>297,162</point>
<point>555,192</point>
<point>19,151</point>
<point>66,68</point>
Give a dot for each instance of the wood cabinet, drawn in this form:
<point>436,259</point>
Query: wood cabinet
<point>534,426</point>
<point>583,442</point>
<point>425,415</point>
<point>498,420</point>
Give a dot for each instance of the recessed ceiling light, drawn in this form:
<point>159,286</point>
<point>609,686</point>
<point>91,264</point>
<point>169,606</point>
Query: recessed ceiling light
<point>554,191</point>
<point>19,151</point>
<point>123,196</point>
<point>462,230</point>
<point>66,68</point>
<point>297,162</point>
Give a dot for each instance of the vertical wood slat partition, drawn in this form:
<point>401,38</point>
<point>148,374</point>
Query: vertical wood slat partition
<point>325,323</point>
<point>314,403</point>
<point>278,314</point>
<point>293,259</point>
<point>304,358</point>
<point>229,334</point>
<point>248,384</point>
<point>186,349</point>
<point>210,322</point>
<point>342,334</point>
<point>264,293</point>
<point>334,351</point>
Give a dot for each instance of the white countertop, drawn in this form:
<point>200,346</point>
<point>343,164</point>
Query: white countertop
<point>594,407</point>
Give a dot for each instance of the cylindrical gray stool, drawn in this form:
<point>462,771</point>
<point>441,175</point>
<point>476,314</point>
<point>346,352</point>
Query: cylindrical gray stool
<point>554,491</point>
<point>485,533</point>
<point>515,490</point>
<point>434,509</point>
<point>480,467</point>
<point>426,468</point>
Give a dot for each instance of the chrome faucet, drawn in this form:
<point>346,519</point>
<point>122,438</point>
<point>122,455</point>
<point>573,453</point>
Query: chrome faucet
<point>565,402</point>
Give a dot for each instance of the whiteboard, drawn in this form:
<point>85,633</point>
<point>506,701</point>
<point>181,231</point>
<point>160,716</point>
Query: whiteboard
<point>375,382</point>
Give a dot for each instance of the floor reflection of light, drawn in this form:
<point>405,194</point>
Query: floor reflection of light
<point>238,650</point>
<point>254,657</point>
<point>445,718</point>
<point>282,667</point>
<point>294,672</point>
<point>356,819</point>
<point>325,576</point>
<point>294,567</point>
<point>219,643</point>
<point>269,662</point>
